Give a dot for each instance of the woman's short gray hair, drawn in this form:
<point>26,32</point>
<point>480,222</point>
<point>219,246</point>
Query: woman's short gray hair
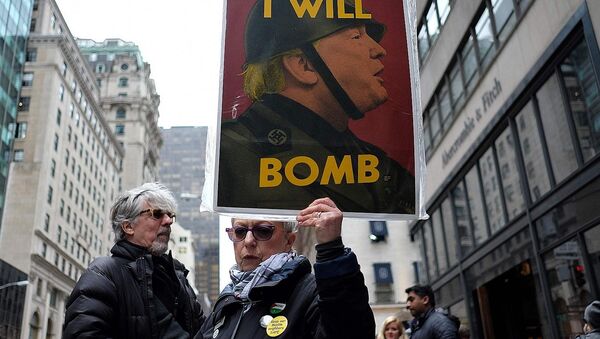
<point>129,204</point>
<point>290,226</point>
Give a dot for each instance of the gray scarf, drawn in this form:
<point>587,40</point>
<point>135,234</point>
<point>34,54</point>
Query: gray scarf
<point>277,267</point>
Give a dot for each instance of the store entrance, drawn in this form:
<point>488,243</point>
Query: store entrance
<point>507,305</point>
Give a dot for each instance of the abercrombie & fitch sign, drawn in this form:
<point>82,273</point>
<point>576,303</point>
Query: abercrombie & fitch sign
<point>487,99</point>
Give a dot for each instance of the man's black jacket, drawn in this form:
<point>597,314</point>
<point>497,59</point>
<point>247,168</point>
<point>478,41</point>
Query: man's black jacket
<point>115,298</point>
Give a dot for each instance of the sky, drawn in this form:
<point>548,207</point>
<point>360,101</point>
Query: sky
<point>181,39</point>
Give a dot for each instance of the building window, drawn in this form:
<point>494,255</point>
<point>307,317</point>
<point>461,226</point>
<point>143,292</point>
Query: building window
<point>428,30</point>
<point>58,116</point>
<point>53,296</point>
<point>53,21</point>
<point>21,130</point>
<point>379,231</point>
<point>27,79</point>
<point>121,113</point>
<point>52,168</point>
<point>384,280</point>
<point>122,94</point>
<point>120,129</point>
<point>61,209</point>
<point>99,82</point>
<point>23,105</point>
<point>100,68</point>
<point>49,196</point>
<point>19,155</point>
<point>565,268</point>
<point>583,98</point>
<point>31,55</point>
<point>61,92</point>
<point>44,249</point>
<point>123,82</point>
<point>63,69</point>
<point>47,222</point>
<point>124,67</point>
<point>55,142</point>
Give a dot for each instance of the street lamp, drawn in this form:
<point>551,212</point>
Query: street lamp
<point>15,283</point>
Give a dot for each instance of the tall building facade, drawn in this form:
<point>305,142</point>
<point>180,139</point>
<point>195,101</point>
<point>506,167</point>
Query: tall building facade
<point>15,16</point>
<point>510,91</point>
<point>130,103</point>
<point>182,165</point>
<point>64,174</point>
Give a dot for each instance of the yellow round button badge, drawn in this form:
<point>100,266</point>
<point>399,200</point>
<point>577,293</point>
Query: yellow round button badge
<point>277,326</point>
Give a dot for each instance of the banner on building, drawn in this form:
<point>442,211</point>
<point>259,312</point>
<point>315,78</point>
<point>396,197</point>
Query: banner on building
<point>317,99</point>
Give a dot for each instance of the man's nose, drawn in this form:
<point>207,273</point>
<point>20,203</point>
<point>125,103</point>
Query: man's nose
<point>377,51</point>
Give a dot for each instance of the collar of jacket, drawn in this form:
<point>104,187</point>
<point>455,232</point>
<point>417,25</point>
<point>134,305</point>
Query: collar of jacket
<point>418,322</point>
<point>128,250</point>
<point>308,121</point>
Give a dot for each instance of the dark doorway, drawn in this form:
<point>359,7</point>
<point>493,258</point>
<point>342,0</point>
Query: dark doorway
<point>508,307</point>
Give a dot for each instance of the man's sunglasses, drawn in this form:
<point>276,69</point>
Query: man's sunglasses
<point>158,214</point>
<point>260,232</point>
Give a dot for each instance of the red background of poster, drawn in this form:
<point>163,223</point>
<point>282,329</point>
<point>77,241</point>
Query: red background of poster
<point>390,126</point>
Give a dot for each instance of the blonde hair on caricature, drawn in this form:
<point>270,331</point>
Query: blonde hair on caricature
<point>266,77</point>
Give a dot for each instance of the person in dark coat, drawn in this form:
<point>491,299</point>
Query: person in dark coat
<point>591,319</point>
<point>274,294</point>
<point>428,323</point>
<point>307,79</point>
<point>139,291</point>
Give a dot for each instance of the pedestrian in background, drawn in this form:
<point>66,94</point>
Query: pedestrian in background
<point>591,319</point>
<point>391,328</point>
<point>428,323</point>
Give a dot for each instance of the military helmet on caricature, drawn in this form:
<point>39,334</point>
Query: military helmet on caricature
<point>266,37</point>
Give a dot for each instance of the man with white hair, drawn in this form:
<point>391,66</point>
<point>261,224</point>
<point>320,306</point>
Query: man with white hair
<point>139,291</point>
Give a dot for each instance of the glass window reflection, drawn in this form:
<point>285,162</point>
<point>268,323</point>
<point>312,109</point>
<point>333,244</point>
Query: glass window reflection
<point>491,191</point>
<point>533,154</point>
<point>556,129</point>
<point>592,242</point>
<point>430,251</point>
<point>582,92</point>
<point>477,207</point>
<point>440,241</point>
<point>509,173</point>
<point>450,230</point>
<point>569,289</point>
<point>465,238</point>
<point>572,213</point>
<point>485,38</point>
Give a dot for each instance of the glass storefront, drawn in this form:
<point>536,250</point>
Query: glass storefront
<point>522,215</point>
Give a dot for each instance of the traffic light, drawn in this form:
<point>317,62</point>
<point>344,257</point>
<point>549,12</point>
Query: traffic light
<point>579,273</point>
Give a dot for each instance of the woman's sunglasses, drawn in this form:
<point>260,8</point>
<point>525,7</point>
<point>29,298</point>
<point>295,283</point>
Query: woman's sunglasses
<point>260,232</point>
<point>158,214</point>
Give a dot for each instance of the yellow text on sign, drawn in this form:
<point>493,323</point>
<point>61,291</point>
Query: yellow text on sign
<point>366,171</point>
<point>301,7</point>
<point>277,326</point>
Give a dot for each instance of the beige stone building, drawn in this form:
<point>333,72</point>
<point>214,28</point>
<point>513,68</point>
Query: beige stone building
<point>130,103</point>
<point>182,247</point>
<point>64,175</point>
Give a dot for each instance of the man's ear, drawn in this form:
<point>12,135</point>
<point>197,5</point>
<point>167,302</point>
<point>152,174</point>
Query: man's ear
<point>298,67</point>
<point>426,300</point>
<point>127,228</point>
